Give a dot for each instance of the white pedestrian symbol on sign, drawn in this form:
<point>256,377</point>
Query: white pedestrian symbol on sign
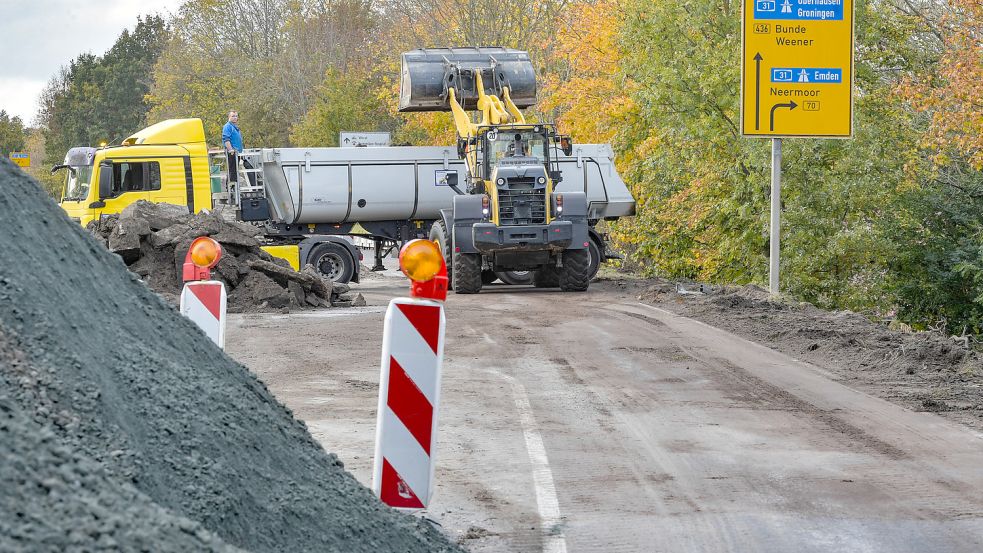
<point>786,7</point>
<point>803,76</point>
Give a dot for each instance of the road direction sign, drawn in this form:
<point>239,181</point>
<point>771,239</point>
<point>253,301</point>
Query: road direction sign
<point>349,139</point>
<point>797,68</point>
<point>21,158</point>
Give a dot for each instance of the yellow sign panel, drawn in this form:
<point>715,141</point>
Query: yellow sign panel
<point>797,68</point>
<point>21,158</point>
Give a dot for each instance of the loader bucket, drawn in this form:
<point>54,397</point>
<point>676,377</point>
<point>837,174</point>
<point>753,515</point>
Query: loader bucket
<point>428,72</point>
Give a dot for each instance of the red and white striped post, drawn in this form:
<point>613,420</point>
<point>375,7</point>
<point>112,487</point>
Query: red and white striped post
<point>202,300</point>
<point>409,385</point>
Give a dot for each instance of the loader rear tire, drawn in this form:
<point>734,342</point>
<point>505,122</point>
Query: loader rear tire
<point>467,273</point>
<point>576,271</point>
<point>438,234</point>
<point>546,277</point>
<point>488,276</point>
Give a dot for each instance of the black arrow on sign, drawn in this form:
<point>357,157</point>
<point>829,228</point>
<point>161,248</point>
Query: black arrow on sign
<point>791,105</point>
<point>757,90</point>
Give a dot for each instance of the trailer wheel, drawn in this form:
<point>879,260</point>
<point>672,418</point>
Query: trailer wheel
<point>546,277</point>
<point>467,273</point>
<point>333,262</point>
<point>488,276</point>
<point>575,272</point>
<point>515,277</point>
<point>438,234</point>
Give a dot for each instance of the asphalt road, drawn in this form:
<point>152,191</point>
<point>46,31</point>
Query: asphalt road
<point>591,422</point>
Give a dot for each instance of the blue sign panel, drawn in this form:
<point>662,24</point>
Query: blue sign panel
<point>799,10</point>
<point>811,75</point>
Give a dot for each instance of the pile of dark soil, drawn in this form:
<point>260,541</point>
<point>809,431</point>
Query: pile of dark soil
<point>122,427</point>
<point>924,371</point>
<point>153,239</point>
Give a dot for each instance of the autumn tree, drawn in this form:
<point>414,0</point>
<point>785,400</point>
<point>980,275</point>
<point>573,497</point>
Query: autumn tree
<point>265,58</point>
<point>951,94</point>
<point>12,135</point>
<point>99,99</point>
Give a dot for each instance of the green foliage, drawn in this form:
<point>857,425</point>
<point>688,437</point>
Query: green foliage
<point>12,135</point>
<point>266,59</point>
<point>868,223</point>
<point>702,188</point>
<point>101,99</point>
<point>345,102</point>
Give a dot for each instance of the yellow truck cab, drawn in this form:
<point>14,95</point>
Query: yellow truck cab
<point>163,163</point>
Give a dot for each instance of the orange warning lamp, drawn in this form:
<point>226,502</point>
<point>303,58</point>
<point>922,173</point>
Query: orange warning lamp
<point>422,262</point>
<point>203,254</point>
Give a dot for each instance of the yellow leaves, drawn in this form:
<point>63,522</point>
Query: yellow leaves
<point>584,91</point>
<point>953,91</point>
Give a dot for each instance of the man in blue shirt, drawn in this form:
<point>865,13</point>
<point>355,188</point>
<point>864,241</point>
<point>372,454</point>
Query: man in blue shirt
<point>232,140</point>
<point>231,135</point>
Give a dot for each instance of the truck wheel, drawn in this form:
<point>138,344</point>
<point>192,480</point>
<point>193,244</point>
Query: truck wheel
<point>575,272</point>
<point>467,273</point>
<point>438,234</point>
<point>595,258</point>
<point>546,277</point>
<point>333,262</point>
<point>488,276</point>
<point>515,277</point>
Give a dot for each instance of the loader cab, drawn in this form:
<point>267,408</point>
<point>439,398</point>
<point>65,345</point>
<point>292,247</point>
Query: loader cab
<point>512,146</point>
<point>515,166</point>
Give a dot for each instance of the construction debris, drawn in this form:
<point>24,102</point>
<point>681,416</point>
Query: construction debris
<point>123,428</point>
<point>152,239</point>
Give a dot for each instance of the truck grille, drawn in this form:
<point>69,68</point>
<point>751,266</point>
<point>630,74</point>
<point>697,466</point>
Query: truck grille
<point>521,203</point>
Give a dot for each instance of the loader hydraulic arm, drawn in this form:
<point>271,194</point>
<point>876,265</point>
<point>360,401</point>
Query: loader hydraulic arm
<point>494,110</point>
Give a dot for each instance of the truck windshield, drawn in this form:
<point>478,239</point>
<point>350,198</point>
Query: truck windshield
<point>508,144</point>
<point>77,187</point>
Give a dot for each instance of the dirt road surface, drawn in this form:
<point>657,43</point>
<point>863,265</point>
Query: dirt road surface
<point>593,422</point>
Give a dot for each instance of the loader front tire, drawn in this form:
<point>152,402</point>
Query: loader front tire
<point>576,271</point>
<point>467,273</point>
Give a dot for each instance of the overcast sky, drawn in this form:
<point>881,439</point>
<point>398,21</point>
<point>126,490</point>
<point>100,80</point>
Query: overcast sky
<point>37,37</point>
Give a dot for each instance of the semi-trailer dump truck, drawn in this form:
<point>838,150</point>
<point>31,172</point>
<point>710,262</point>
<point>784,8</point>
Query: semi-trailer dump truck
<point>307,199</point>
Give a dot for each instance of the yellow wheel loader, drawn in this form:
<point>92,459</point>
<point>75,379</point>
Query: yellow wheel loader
<point>507,217</point>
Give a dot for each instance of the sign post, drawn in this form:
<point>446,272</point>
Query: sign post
<point>796,81</point>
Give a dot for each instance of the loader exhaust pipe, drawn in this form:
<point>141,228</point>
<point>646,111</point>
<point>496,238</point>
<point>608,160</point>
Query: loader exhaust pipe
<point>427,73</point>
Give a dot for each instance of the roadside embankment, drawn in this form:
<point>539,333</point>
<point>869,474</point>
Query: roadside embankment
<point>924,371</point>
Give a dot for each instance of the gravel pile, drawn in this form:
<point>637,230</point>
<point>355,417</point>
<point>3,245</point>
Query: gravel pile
<point>153,239</point>
<point>122,427</point>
